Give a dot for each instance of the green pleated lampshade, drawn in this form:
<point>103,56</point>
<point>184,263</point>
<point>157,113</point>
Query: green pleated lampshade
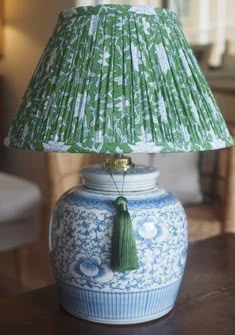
<point>118,79</point>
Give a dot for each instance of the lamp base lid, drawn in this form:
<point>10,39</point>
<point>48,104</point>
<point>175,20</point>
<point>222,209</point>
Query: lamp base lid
<point>138,178</point>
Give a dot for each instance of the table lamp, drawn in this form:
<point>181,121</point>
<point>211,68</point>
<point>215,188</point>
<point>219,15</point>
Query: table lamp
<point>118,79</point>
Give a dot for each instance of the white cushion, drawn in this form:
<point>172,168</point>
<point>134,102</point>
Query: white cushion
<point>14,234</point>
<point>19,198</point>
<point>20,202</point>
<point>179,173</point>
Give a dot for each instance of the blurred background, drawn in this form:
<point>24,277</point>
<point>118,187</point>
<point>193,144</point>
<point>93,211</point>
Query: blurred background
<point>25,28</point>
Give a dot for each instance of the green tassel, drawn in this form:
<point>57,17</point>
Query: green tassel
<point>124,252</point>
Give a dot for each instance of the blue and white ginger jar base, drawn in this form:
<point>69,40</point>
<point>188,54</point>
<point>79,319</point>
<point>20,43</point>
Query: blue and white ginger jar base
<point>80,248</point>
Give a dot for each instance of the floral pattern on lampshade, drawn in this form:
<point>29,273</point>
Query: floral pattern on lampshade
<point>118,79</point>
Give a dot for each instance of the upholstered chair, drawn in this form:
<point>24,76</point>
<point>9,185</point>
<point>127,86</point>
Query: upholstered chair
<point>20,204</point>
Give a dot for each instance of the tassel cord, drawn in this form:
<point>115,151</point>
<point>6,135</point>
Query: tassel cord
<point>123,182</point>
<point>124,251</point>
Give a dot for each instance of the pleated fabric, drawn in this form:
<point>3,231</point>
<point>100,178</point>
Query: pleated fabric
<point>118,79</point>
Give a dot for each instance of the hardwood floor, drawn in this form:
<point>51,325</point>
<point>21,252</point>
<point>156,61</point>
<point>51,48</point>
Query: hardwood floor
<point>9,287</point>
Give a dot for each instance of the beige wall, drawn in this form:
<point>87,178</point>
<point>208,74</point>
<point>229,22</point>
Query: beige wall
<point>230,30</point>
<point>28,25</point>
<point>212,21</point>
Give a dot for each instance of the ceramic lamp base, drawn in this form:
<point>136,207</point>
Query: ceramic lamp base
<point>121,308</point>
<point>80,248</point>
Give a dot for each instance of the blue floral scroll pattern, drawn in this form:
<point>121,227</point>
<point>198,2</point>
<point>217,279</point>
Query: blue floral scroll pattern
<point>81,242</point>
<point>88,200</point>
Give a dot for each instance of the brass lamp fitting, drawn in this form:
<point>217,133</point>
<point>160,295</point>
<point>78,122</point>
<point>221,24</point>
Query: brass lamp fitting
<point>118,162</point>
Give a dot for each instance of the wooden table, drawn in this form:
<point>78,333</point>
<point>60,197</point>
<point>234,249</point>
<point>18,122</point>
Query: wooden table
<point>205,306</point>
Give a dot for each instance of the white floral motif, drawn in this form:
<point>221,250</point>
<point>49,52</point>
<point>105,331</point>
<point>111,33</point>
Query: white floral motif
<point>162,108</point>
<point>135,57</point>
<point>185,63</point>
<point>56,146</point>
<point>194,111</point>
<point>217,144</point>
<point>80,105</point>
<point>162,58</point>
<point>185,133</point>
<point>146,137</point>
<point>25,131</point>
<point>143,10</point>
<point>145,147</point>
<point>212,106</point>
<point>99,136</point>
<point>67,13</point>
<point>105,57</point>
<point>121,22</point>
<point>168,30</point>
<point>93,25</point>
<point>122,104</point>
<point>52,59</point>
<point>119,150</point>
<point>118,80</point>
<point>146,26</point>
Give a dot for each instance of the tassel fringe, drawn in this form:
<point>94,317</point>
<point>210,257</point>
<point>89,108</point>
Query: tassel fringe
<point>124,251</point>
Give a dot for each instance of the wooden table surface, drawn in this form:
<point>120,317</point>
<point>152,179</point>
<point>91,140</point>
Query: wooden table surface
<point>205,306</point>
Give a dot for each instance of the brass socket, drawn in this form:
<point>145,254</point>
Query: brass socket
<point>116,162</point>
